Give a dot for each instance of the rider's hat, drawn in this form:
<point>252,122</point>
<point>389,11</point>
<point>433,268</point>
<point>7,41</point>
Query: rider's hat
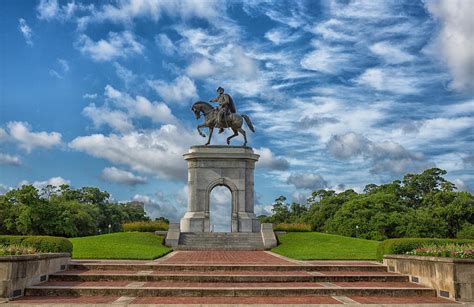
<point>219,88</point>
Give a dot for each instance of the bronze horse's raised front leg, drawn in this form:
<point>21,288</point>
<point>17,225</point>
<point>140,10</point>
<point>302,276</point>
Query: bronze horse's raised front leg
<point>199,130</point>
<point>211,129</point>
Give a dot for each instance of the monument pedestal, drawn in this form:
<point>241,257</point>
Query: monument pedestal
<point>211,166</point>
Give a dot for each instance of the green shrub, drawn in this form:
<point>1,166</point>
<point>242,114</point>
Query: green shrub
<point>295,227</point>
<point>43,244</point>
<point>466,232</point>
<point>145,226</point>
<point>404,245</point>
<point>12,250</point>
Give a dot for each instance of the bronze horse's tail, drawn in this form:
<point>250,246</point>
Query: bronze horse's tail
<point>249,122</point>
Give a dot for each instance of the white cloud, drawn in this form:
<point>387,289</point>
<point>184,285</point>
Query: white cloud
<point>325,59</point>
<point>140,106</point>
<point>348,145</point>
<point>390,80</point>
<point>461,185</point>
<point>443,128</point>
<point>462,108</point>
<point>48,9</point>
<point>126,75</point>
<point>170,205</point>
<point>220,209</point>
<point>213,61</point>
<point>361,9</point>
<point>307,181</point>
<point>3,135</point>
<point>157,152</point>
<point>180,91</point>
<point>299,197</point>
<point>26,31</point>
<point>114,174</point>
<point>384,157</point>
<point>454,41</point>
<point>268,160</point>
<point>54,73</point>
<point>201,67</point>
<point>165,43</point>
<point>126,11</point>
<point>6,159</point>
<point>117,120</point>
<point>280,36</point>
<point>51,9</point>
<point>390,53</point>
<point>89,96</point>
<point>117,45</point>
<point>4,189</point>
<point>28,140</point>
<point>64,65</point>
<point>333,30</point>
<point>54,181</point>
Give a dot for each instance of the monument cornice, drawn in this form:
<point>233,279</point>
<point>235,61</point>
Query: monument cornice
<point>218,152</point>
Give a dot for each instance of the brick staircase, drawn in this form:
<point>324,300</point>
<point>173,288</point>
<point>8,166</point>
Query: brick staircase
<point>220,241</point>
<point>226,277</point>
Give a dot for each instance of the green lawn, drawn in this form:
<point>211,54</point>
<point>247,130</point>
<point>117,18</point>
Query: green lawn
<point>119,245</point>
<point>315,245</point>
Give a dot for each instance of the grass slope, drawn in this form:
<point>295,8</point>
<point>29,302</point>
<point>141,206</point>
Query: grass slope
<point>119,245</point>
<point>315,245</point>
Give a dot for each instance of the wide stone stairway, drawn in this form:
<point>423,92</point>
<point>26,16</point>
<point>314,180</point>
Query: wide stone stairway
<point>227,277</point>
<point>220,241</point>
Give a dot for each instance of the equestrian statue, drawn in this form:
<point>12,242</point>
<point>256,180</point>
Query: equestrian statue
<point>223,116</point>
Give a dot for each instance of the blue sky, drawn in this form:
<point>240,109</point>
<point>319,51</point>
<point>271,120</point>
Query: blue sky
<point>342,93</point>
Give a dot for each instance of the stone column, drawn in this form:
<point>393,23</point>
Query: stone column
<point>230,166</point>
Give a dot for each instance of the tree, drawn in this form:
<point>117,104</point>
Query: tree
<point>373,216</point>
<point>417,186</point>
<point>281,213</point>
<point>63,211</point>
<point>323,205</point>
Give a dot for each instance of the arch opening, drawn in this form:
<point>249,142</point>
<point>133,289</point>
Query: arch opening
<point>220,209</point>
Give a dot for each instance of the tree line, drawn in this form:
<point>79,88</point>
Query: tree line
<point>419,205</point>
<point>64,211</point>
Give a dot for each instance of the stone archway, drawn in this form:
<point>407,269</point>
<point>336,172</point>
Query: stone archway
<point>210,166</point>
<point>234,205</point>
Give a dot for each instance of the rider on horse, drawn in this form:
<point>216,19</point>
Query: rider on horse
<point>226,106</point>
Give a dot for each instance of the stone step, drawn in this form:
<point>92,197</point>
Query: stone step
<point>217,248</point>
<point>250,300</point>
<point>165,288</point>
<point>225,267</point>
<point>228,276</point>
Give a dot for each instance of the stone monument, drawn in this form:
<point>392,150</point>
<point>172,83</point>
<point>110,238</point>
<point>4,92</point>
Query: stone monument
<point>211,166</point>
<point>230,166</point>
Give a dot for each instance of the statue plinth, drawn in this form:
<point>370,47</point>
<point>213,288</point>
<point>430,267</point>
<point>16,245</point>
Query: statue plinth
<point>211,166</point>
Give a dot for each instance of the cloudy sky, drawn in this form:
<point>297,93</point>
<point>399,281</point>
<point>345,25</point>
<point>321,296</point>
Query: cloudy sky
<point>342,93</point>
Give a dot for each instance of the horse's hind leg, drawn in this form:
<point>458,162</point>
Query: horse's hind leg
<point>233,135</point>
<point>242,131</point>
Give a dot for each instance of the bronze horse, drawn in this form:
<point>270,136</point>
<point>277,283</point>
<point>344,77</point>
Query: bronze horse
<point>233,121</point>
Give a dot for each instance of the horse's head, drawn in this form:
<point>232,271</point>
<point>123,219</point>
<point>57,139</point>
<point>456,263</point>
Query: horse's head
<point>196,111</point>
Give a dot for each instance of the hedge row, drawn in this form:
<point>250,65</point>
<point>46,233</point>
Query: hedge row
<point>45,244</point>
<point>404,245</point>
<point>295,227</point>
<point>145,226</point>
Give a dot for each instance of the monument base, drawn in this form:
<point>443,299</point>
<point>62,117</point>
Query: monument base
<point>194,222</point>
<point>229,166</point>
<point>248,222</point>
